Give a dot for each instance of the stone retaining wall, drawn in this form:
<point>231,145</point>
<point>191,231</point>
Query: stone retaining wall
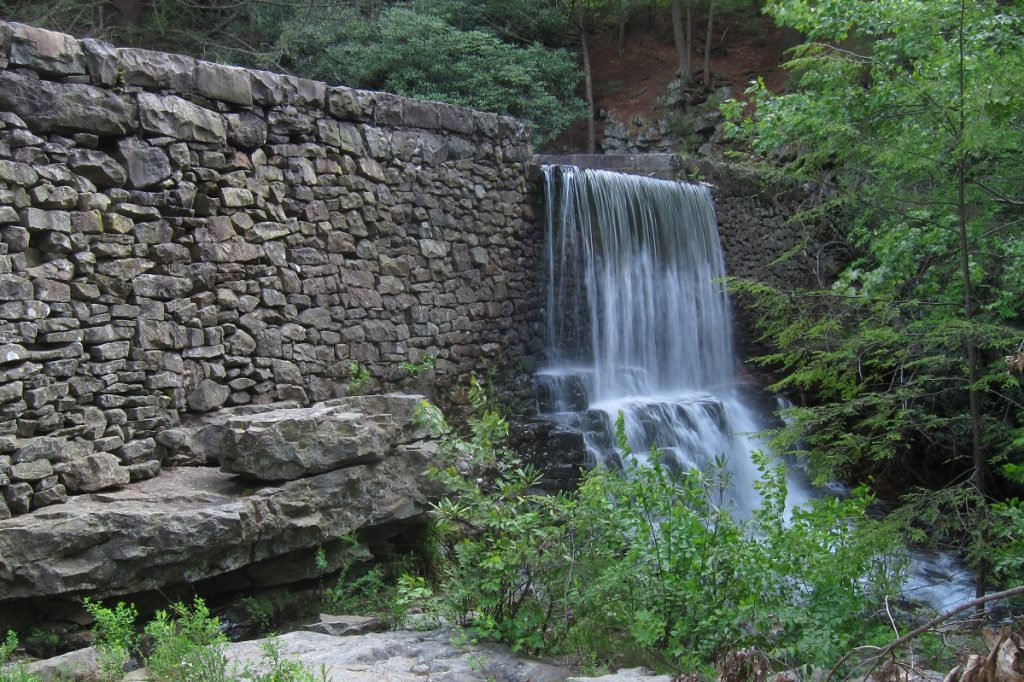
<point>178,236</point>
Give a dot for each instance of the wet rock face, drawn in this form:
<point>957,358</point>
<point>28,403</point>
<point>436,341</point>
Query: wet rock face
<point>179,237</point>
<point>557,451</point>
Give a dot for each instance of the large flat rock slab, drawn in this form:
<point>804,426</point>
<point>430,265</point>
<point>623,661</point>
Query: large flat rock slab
<point>190,524</point>
<point>402,656</point>
<point>286,444</point>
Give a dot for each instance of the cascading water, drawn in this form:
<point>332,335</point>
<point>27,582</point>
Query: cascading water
<point>638,323</point>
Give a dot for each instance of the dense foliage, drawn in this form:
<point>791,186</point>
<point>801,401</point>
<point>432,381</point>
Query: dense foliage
<point>911,114</point>
<point>651,567</point>
<point>417,51</point>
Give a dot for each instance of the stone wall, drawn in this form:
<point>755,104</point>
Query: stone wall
<point>180,236</point>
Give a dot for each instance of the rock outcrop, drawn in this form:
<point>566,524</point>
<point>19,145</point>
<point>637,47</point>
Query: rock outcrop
<point>191,524</point>
<point>285,444</point>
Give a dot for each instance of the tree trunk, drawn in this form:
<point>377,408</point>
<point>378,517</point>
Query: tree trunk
<point>127,13</point>
<point>689,39</point>
<point>588,79</point>
<point>979,475</point>
<point>707,43</point>
<point>679,35</point>
<point>623,25</point>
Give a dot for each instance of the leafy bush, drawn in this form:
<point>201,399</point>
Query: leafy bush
<point>419,54</point>
<point>13,672</point>
<point>188,645</point>
<point>116,640</point>
<point>275,668</point>
<point>359,378</point>
<point>373,592</point>
<point>651,565</point>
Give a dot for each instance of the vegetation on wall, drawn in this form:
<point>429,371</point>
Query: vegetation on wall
<point>910,113</point>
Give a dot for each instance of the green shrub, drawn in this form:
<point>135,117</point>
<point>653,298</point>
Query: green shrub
<point>651,565</point>
<point>359,378</point>
<point>188,645</point>
<point>13,672</point>
<point>116,640</point>
<point>275,668</point>
<point>372,592</point>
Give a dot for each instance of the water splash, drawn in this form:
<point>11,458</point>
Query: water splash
<point>638,322</point>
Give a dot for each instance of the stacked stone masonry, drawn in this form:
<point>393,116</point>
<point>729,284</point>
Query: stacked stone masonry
<point>180,236</point>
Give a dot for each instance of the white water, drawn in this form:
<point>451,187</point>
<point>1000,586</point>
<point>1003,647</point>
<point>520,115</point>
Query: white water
<point>638,322</point>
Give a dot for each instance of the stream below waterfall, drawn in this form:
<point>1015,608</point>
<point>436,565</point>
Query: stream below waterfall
<point>638,323</point>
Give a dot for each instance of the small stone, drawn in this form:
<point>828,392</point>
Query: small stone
<point>14,288</point>
<point>56,494</point>
<point>92,473</point>
<point>146,165</point>
<point>233,197</point>
<point>38,219</point>
<point>98,167</point>
<point>18,173</point>
<point>18,497</point>
<point>144,470</point>
<point>31,471</point>
<point>208,395</point>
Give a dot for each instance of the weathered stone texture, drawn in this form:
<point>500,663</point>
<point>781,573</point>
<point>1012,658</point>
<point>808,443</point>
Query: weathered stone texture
<point>179,237</point>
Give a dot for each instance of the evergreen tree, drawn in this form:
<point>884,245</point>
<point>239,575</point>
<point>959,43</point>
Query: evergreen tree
<point>911,113</point>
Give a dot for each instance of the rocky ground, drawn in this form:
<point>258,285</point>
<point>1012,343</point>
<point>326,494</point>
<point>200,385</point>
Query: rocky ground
<point>344,649</point>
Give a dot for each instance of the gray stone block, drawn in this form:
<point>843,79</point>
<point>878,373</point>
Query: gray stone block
<point>218,81</point>
<point>47,52</point>
<point>178,118</point>
<point>67,107</point>
<point>146,165</point>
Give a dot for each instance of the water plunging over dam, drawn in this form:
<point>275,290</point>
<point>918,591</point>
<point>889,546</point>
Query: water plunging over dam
<point>638,322</point>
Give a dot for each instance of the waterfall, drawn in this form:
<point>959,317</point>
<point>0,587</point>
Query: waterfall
<point>638,322</point>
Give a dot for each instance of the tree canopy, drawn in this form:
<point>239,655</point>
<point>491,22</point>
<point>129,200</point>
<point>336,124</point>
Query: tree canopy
<point>911,114</point>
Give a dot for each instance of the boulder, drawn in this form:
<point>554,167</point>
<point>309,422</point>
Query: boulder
<point>92,473</point>
<point>201,443</point>
<point>293,443</point>
<point>81,664</point>
<point>343,626</point>
<point>189,524</point>
<point>626,675</point>
<point>48,52</point>
<point>133,66</point>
